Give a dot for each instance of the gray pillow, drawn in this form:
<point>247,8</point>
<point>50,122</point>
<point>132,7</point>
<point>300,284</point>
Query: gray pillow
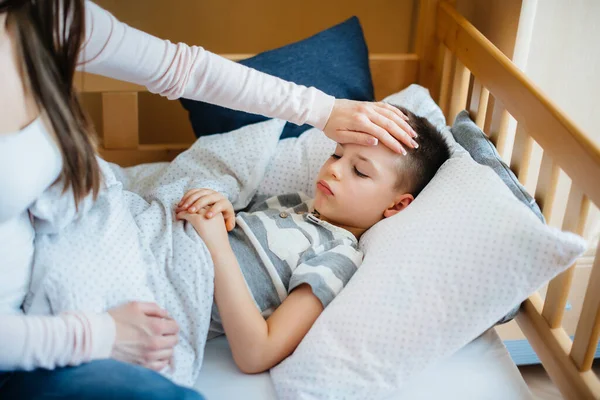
<point>469,136</point>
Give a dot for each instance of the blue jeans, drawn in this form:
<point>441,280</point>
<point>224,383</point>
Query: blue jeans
<point>102,379</point>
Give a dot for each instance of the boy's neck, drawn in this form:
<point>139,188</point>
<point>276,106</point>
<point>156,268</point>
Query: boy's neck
<point>357,232</point>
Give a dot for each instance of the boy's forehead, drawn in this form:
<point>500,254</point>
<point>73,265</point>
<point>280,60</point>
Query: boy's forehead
<point>380,155</point>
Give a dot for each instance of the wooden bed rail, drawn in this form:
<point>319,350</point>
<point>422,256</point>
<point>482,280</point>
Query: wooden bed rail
<point>564,142</point>
<point>472,73</point>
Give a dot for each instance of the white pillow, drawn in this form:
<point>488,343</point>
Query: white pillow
<point>434,277</point>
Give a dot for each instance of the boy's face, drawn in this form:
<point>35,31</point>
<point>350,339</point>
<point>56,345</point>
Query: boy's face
<point>357,184</point>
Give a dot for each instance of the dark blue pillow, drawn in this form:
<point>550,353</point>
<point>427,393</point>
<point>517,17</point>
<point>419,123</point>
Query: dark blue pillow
<point>335,61</point>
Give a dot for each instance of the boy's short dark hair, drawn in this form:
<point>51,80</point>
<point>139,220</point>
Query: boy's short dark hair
<point>420,165</point>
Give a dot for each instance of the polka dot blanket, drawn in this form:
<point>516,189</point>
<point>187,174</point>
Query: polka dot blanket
<point>127,244</point>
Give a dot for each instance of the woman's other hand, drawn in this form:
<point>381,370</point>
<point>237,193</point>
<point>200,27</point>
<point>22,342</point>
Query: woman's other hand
<point>368,123</point>
<point>146,335</point>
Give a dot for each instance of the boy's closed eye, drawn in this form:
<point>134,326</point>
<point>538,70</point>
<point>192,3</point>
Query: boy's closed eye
<point>356,171</point>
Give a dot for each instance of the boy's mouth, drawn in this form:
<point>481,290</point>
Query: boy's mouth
<point>324,187</point>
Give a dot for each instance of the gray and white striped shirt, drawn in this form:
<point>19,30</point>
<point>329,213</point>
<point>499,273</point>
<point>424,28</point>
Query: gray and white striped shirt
<point>280,245</point>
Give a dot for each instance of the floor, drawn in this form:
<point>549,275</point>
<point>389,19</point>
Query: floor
<point>540,384</point>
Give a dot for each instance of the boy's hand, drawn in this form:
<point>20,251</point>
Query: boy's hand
<point>211,230</point>
<point>196,200</point>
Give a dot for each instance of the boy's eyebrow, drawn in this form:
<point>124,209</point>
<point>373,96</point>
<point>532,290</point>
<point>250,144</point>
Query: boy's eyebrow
<point>365,159</point>
<point>361,157</point>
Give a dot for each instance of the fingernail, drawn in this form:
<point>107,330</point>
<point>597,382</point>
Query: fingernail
<point>193,209</point>
<point>415,134</point>
<point>403,150</point>
<point>415,144</point>
<point>373,141</point>
<point>404,117</point>
<point>209,215</point>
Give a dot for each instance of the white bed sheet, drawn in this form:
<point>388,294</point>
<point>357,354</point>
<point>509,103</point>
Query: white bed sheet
<point>482,370</point>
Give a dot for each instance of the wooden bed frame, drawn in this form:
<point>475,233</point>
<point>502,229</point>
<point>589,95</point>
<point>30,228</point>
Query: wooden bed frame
<point>462,69</point>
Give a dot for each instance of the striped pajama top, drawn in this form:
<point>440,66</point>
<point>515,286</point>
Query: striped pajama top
<point>280,245</point>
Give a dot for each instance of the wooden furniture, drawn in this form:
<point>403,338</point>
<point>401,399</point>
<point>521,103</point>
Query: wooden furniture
<point>462,69</point>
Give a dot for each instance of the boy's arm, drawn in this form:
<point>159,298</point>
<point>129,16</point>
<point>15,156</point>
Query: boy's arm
<point>256,344</point>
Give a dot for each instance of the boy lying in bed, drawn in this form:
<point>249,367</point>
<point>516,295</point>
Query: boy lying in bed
<point>289,256</point>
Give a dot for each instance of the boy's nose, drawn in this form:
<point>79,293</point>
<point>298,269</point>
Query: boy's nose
<point>334,170</point>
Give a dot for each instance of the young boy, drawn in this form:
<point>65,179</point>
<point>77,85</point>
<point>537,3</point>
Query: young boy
<point>289,256</point>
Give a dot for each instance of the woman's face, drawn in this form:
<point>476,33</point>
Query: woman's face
<point>357,184</point>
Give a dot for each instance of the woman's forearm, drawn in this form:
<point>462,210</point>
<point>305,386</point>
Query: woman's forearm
<point>173,70</point>
<point>245,327</point>
<point>28,342</point>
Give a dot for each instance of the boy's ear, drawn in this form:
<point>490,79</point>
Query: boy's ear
<point>400,204</point>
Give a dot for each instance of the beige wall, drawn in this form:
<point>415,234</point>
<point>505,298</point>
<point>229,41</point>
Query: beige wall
<point>564,60</point>
<point>251,26</point>
<point>247,26</point>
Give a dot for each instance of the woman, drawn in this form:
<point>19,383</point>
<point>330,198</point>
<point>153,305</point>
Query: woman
<point>46,139</point>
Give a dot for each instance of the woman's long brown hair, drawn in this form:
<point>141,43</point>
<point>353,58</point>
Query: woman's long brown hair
<point>49,37</point>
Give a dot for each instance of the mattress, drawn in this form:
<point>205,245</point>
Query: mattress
<point>482,370</point>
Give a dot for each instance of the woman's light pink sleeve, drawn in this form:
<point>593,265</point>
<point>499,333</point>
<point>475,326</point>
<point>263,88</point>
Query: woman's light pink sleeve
<point>28,342</point>
<point>119,51</point>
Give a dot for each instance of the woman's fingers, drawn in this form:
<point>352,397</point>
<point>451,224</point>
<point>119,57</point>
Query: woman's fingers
<point>394,109</point>
<point>163,326</point>
<point>354,121</point>
<point>160,343</point>
<point>157,365</point>
<point>397,116</point>
<point>377,133</point>
<point>151,309</point>
<point>393,133</point>
<point>160,355</point>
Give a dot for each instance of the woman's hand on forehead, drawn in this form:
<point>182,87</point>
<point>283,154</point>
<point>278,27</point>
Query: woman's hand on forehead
<point>368,123</point>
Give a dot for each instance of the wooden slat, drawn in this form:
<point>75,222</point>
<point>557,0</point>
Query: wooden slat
<point>545,191</point>
<point>587,333</point>
<point>446,84</point>
<point>501,135</point>
<point>393,72</point>
<point>143,154</point>
<point>460,91</point>
<point>484,96</point>
<point>120,120</point>
<point>568,145</point>
<point>472,95</point>
<point>576,214</point>
<point>521,155</point>
<point>489,114</point>
<point>552,346</point>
